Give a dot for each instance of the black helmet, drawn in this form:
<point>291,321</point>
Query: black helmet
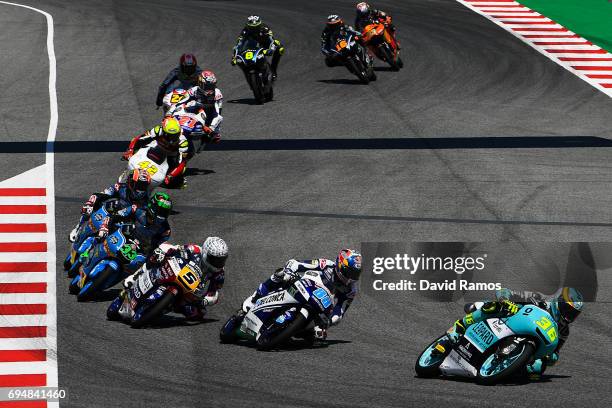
<point>138,182</point>
<point>567,306</point>
<point>188,64</point>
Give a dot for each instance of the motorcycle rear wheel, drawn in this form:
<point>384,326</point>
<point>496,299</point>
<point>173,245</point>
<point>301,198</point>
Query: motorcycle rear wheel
<point>268,342</point>
<point>154,311</point>
<point>518,362</point>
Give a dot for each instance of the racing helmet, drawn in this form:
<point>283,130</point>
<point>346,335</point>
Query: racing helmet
<point>188,64</point>
<point>253,23</point>
<point>348,266</point>
<point>207,82</point>
<point>363,9</point>
<point>170,134</point>
<point>137,183</point>
<point>214,254</point>
<point>334,20</point>
<point>159,207</point>
<point>567,306</point>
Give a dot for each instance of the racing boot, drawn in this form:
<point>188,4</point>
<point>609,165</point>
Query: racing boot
<point>74,233</point>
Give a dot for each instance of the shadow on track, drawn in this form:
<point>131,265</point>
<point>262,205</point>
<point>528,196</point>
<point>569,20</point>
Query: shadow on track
<point>341,81</point>
<point>294,345</point>
<point>400,143</point>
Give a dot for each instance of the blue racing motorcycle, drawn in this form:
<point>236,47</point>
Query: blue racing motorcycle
<point>494,349</point>
<point>87,230</point>
<point>104,264</point>
<point>276,318</point>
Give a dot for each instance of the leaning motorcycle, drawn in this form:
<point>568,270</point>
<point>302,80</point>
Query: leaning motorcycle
<point>380,42</point>
<point>355,57</point>
<point>104,264</point>
<point>87,230</point>
<point>276,318</point>
<point>155,292</point>
<point>251,59</point>
<point>494,349</point>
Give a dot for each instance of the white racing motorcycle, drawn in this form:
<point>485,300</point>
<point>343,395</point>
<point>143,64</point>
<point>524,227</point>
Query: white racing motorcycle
<point>151,159</point>
<point>276,318</point>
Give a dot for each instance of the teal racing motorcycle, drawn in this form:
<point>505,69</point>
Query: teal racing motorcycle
<point>494,349</point>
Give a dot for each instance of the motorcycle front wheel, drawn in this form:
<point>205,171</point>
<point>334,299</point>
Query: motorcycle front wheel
<point>428,364</point>
<point>268,341</point>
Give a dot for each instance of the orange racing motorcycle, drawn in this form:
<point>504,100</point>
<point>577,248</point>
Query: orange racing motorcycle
<point>379,40</point>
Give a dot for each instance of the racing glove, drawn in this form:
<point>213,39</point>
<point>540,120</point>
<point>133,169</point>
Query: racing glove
<point>89,205</point>
<point>103,232</point>
<point>551,359</point>
<point>509,307</point>
<point>127,155</point>
<point>160,98</point>
<point>320,333</point>
<point>268,52</point>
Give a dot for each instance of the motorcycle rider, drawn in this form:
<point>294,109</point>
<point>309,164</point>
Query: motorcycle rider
<point>151,226</point>
<point>256,29</point>
<point>130,190</point>
<point>333,29</point>
<point>208,260</point>
<point>340,277</point>
<point>170,139</point>
<point>564,307</point>
<point>206,97</point>
<point>367,15</point>
<point>186,73</point>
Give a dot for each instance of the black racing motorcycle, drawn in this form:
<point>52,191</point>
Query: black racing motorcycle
<point>350,53</point>
<point>250,57</point>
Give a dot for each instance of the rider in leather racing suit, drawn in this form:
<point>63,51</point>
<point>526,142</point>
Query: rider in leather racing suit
<point>340,277</point>
<point>367,15</point>
<point>205,96</point>
<point>151,226</point>
<point>335,27</point>
<point>169,137</point>
<point>564,307</point>
<point>130,190</point>
<point>208,260</point>
<point>259,31</point>
<point>186,73</point>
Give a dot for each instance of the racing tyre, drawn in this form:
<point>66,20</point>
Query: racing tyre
<point>400,63</point>
<point>227,334</point>
<point>268,341</point>
<point>154,311</point>
<point>493,370</point>
<point>96,285</point>
<point>388,56</point>
<point>258,89</point>
<point>270,94</point>
<point>427,365</point>
<point>357,68</point>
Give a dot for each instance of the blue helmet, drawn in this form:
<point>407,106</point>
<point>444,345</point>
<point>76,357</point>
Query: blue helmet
<point>567,306</point>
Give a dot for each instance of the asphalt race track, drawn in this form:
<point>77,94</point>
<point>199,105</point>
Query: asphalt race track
<point>463,77</point>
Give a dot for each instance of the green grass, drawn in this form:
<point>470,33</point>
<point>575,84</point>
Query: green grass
<point>591,19</point>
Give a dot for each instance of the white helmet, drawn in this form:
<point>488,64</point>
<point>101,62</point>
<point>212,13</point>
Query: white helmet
<point>214,254</point>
